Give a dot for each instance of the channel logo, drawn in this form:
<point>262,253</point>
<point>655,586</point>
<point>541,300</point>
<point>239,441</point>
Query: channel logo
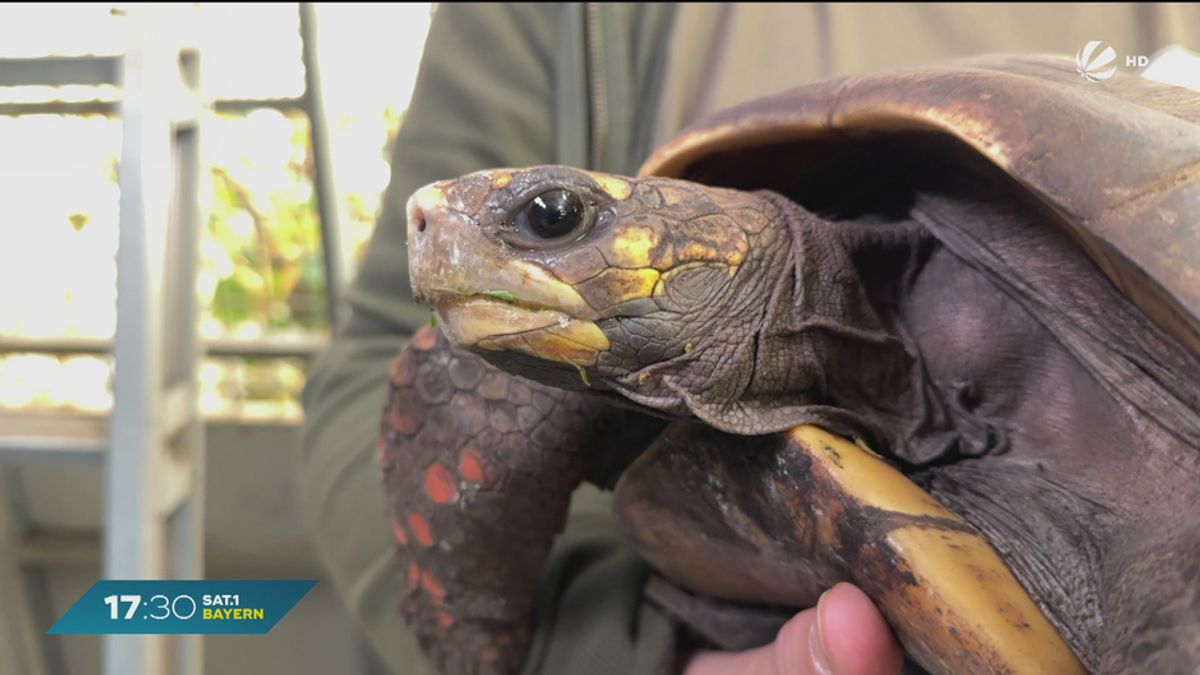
<point>1096,68</point>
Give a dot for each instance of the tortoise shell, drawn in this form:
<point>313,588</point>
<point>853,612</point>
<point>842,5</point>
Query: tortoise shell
<point>1117,160</point>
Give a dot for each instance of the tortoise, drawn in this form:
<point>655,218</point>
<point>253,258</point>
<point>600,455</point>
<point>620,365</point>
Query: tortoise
<point>933,331</point>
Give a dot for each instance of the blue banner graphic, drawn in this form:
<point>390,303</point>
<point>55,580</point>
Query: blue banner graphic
<point>206,607</point>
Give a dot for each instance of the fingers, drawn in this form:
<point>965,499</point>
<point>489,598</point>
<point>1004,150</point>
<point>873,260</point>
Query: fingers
<point>843,635</point>
<point>850,638</point>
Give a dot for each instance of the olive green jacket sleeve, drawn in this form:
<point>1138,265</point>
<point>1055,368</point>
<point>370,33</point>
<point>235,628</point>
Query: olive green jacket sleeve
<point>500,85</point>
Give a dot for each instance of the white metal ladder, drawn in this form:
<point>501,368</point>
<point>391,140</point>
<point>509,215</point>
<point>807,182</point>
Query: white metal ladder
<point>154,511</point>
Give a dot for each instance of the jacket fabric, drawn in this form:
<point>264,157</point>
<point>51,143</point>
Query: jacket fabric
<point>599,86</point>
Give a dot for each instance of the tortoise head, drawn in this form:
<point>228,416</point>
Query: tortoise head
<point>590,281</point>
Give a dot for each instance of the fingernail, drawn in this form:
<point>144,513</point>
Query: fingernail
<point>816,647</point>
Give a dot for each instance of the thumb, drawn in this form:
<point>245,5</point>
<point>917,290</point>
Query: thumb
<point>844,635</point>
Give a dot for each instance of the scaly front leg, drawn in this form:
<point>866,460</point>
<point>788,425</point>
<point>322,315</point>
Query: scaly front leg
<point>479,467</point>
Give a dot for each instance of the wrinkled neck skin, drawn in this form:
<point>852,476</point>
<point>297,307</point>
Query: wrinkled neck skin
<point>792,337</point>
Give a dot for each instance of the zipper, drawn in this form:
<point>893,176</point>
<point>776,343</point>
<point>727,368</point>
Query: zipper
<point>598,84</point>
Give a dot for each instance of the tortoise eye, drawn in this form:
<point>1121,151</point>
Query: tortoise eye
<point>555,213</point>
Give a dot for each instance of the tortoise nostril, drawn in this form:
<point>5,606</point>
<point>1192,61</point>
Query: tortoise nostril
<point>415,210</point>
<point>417,216</point>
<point>417,219</point>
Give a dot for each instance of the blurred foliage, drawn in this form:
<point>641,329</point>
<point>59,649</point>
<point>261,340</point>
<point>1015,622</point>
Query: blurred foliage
<point>262,271</point>
<point>263,265</point>
<point>262,389</point>
<point>50,380</point>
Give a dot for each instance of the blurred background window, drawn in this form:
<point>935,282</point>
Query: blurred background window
<point>262,276</point>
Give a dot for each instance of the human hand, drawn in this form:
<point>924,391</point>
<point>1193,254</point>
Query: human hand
<point>843,635</point>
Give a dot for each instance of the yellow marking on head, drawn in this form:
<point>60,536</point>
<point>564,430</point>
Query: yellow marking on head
<point>713,238</point>
<point>697,250</point>
<point>694,251</point>
<point>615,285</point>
<point>631,247</point>
<point>501,179</point>
<point>557,348</point>
<point>666,257</point>
<point>617,188</point>
<point>585,333</point>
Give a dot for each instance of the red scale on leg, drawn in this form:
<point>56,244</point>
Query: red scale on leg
<point>475,469</point>
<point>424,339</point>
<point>405,424</point>
<point>440,484</point>
<point>420,529</point>
<point>433,587</point>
